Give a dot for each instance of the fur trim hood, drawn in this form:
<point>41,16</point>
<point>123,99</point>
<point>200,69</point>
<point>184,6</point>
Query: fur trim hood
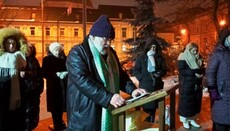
<point>21,39</point>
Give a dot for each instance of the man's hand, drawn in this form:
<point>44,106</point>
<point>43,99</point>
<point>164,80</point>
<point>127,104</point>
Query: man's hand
<point>138,91</point>
<point>117,100</point>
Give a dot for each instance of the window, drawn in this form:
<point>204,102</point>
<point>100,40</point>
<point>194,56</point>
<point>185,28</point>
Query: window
<point>76,32</point>
<point>62,31</point>
<point>24,29</point>
<point>47,31</point>
<point>124,32</point>
<point>32,30</point>
<point>33,15</point>
<point>120,15</point>
<point>17,27</point>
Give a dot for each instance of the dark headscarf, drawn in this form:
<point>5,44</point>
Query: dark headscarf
<point>223,34</point>
<point>148,44</point>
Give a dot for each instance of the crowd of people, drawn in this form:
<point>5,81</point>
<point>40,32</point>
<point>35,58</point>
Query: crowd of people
<point>86,82</point>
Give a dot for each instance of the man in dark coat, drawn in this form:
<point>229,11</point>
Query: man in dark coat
<point>149,69</point>
<point>94,80</point>
<point>218,82</point>
<point>55,72</point>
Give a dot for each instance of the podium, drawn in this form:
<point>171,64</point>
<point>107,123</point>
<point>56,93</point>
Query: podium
<point>168,90</point>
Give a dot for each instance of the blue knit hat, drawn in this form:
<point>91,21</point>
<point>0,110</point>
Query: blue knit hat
<point>102,28</point>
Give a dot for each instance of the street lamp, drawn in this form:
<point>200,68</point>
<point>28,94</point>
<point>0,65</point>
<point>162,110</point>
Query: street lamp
<point>183,31</point>
<point>222,22</point>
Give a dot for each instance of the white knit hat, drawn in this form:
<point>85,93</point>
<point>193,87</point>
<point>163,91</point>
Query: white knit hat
<point>54,46</point>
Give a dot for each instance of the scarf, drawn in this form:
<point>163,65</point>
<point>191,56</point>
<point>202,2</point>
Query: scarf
<point>109,73</point>
<point>151,61</point>
<point>11,63</point>
<point>193,61</point>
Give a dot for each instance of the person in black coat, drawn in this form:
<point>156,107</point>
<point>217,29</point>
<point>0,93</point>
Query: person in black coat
<point>55,72</point>
<point>95,78</point>
<point>218,82</point>
<point>191,70</point>
<point>33,85</point>
<point>149,69</point>
<point>13,47</point>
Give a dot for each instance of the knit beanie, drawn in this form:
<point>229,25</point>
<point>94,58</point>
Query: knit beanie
<point>102,28</point>
<point>54,46</point>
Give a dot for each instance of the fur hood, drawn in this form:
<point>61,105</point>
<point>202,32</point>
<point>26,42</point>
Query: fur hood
<point>21,39</point>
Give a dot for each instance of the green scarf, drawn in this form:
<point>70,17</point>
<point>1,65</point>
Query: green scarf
<point>109,73</point>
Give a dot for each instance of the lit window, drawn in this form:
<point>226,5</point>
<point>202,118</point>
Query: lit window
<point>123,47</point>
<point>33,15</point>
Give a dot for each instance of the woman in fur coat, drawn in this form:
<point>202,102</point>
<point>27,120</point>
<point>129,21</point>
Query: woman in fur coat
<point>13,47</point>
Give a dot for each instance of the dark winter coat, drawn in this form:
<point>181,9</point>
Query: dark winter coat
<point>146,79</point>
<point>190,90</point>
<point>218,78</point>
<point>33,85</point>
<point>10,120</point>
<point>56,87</point>
<point>4,101</point>
<point>86,94</point>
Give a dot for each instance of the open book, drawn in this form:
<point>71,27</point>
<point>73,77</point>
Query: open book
<point>135,98</point>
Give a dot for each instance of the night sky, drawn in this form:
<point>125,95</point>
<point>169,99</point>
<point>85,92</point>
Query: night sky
<point>95,2</point>
<point>114,2</point>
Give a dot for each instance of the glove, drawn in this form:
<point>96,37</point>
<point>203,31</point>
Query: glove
<point>62,74</point>
<point>199,71</point>
<point>214,95</point>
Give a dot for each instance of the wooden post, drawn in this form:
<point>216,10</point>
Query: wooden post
<point>172,111</point>
<point>161,104</point>
<point>122,121</point>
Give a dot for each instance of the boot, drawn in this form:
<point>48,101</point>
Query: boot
<point>186,125</point>
<point>193,123</point>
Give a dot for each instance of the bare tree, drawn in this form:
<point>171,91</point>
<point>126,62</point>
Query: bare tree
<point>182,12</point>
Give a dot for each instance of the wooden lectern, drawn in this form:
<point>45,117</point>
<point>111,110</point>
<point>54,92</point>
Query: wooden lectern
<point>159,95</point>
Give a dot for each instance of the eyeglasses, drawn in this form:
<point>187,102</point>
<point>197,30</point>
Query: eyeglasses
<point>107,39</point>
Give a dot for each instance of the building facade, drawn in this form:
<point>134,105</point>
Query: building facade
<point>64,24</point>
